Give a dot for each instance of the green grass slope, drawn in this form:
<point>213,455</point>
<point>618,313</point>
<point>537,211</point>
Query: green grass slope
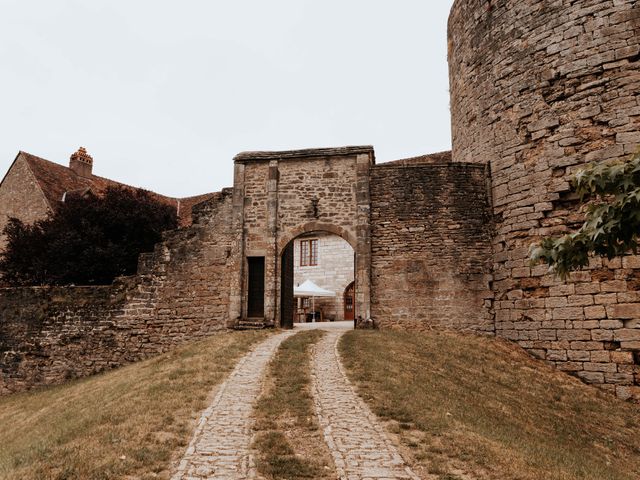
<point>467,407</point>
<point>128,423</point>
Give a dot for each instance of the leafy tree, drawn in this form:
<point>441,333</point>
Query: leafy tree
<point>88,240</point>
<point>612,220</point>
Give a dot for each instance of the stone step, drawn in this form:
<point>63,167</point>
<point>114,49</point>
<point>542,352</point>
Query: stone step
<point>252,324</point>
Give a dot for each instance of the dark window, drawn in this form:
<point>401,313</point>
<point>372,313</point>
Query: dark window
<point>308,253</point>
<point>287,308</point>
<point>255,305</point>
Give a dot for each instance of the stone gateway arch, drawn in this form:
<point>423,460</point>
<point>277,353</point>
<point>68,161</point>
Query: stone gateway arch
<point>281,195</point>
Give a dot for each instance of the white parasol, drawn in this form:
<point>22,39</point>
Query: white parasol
<point>310,289</point>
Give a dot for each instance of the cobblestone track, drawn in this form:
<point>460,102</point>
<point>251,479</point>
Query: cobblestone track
<point>220,445</point>
<point>358,443</point>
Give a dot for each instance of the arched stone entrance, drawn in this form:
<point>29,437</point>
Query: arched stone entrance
<point>324,257</point>
<point>278,196</point>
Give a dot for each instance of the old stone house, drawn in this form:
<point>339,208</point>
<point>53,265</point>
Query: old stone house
<point>538,88</point>
<point>33,187</point>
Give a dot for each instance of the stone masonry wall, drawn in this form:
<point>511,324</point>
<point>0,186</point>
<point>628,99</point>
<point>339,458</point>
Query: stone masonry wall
<point>48,335</point>
<point>20,197</point>
<point>181,293</point>
<point>430,247</point>
<point>538,88</point>
<point>193,266</point>
<point>334,272</point>
<point>339,180</point>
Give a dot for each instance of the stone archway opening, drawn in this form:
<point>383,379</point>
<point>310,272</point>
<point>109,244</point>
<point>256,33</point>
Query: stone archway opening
<point>329,261</point>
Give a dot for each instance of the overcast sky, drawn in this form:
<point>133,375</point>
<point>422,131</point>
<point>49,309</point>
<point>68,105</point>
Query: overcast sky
<point>163,94</point>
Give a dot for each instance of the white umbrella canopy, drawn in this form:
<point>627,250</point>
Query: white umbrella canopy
<point>310,289</point>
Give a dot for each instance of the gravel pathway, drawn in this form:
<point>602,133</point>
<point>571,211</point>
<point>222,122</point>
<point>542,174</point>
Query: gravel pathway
<point>220,445</point>
<point>361,450</point>
<point>358,443</point>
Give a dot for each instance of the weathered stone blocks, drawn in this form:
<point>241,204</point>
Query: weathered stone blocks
<point>538,88</point>
<point>430,242</point>
<point>52,334</point>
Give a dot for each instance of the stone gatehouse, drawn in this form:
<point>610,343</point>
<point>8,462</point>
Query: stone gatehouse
<point>281,195</point>
<point>402,221</point>
<point>538,88</point>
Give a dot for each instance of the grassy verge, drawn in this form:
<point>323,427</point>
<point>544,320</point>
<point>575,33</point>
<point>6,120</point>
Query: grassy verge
<point>470,407</point>
<point>288,439</point>
<point>128,423</point>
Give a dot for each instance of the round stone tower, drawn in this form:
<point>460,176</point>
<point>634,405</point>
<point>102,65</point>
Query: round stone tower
<point>538,88</point>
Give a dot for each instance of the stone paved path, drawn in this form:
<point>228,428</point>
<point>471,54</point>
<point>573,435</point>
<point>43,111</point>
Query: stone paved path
<point>358,443</point>
<point>220,445</point>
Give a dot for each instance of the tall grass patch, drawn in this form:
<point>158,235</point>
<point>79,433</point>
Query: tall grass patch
<point>465,405</point>
<point>128,423</point>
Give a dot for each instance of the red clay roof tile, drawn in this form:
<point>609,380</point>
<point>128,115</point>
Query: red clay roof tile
<point>55,180</point>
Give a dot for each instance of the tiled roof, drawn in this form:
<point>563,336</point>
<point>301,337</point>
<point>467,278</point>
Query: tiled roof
<point>55,180</point>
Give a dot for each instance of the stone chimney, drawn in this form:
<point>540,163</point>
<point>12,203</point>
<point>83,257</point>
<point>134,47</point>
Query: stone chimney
<point>81,163</point>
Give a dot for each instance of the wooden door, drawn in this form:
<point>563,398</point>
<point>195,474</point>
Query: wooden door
<point>255,304</point>
<point>349,302</point>
<point>286,288</point>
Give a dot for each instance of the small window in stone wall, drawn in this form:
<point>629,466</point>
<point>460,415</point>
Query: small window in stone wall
<point>636,357</point>
<point>308,253</point>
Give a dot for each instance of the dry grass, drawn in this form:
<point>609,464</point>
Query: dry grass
<point>128,423</point>
<point>466,407</point>
<point>288,440</point>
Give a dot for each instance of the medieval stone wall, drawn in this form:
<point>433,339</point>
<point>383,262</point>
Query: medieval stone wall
<point>51,334</point>
<point>430,246</point>
<point>331,180</point>
<point>538,88</point>
<point>194,266</point>
<point>181,293</point>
